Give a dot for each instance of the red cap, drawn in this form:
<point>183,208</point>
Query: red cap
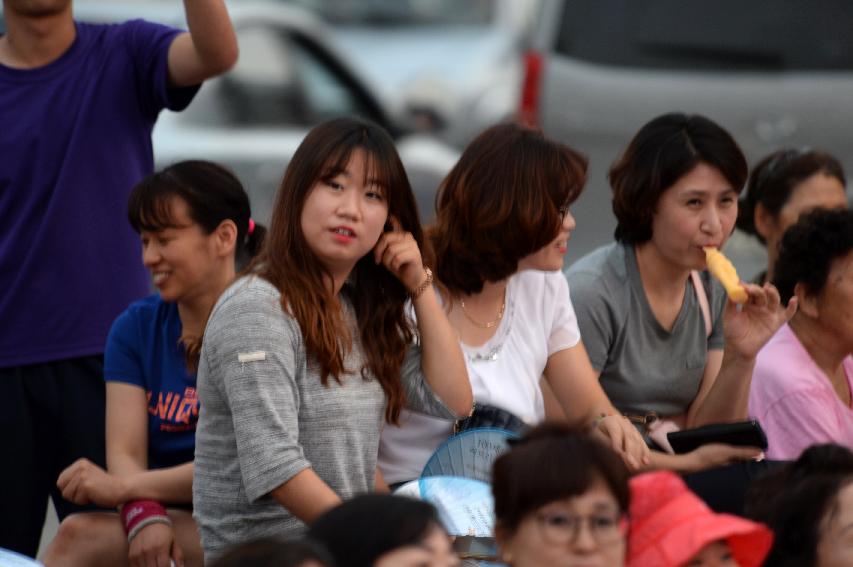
<point>670,525</point>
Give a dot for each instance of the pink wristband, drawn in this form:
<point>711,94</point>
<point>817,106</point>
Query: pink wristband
<point>137,514</point>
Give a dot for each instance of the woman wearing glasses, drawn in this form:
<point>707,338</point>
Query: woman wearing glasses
<point>783,186</point>
<point>560,499</point>
<point>502,227</point>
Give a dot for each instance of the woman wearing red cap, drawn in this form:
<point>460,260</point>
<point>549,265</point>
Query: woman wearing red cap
<point>672,527</point>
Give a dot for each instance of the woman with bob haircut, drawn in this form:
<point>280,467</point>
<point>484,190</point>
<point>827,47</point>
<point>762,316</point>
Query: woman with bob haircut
<point>801,387</point>
<point>306,356</point>
<point>383,530</point>
<point>195,224</point>
<point>561,498</point>
<point>501,231</point>
<point>639,300</point>
<point>784,185</point>
<point>809,506</point>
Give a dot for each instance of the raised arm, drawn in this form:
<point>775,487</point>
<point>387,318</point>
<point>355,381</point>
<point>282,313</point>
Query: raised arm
<point>724,393</point>
<point>208,49</point>
<point>442,360</point>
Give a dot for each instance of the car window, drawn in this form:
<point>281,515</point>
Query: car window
<point>279,80</point>
<point>773,35</point>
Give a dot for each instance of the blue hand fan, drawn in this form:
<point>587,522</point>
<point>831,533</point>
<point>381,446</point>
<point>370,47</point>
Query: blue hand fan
<point>465,506</point>
<point>469,454</point>
<point>9,558</point>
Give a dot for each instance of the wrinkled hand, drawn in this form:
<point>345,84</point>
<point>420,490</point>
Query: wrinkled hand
<point>84,482</point>
<point>155,546</point>
<point>399,253</point>
<point>715,455</point>
<point>748,329</point>
<point>625,440</point>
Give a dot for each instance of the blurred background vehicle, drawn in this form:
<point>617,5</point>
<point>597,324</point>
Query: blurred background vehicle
<point>776,73</point>
<point>289,78</point>
<point>451,67</point>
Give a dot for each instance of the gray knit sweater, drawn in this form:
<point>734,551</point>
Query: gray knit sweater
<point>265,416</point>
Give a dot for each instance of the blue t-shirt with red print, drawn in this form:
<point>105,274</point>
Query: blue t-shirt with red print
<point>143,349</point>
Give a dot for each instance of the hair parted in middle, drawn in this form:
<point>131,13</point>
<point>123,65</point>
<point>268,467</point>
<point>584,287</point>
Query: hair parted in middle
<point>553,462</point>
<point>663,151</point>
<point>500,203</point>
<point>377,296</point>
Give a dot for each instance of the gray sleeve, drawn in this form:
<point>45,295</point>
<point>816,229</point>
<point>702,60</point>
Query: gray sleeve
<point>595,315</point>
<point>419,396</point>
<point>254,354</point>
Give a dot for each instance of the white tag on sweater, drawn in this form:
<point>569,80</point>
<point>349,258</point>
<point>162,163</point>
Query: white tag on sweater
<point>251,356</point>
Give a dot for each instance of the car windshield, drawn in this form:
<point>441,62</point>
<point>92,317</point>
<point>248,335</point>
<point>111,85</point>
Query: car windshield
<point>402,12</point>
<point>772,35</point>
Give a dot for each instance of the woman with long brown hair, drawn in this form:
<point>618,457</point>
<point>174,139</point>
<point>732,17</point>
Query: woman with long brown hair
<point>307,355</point>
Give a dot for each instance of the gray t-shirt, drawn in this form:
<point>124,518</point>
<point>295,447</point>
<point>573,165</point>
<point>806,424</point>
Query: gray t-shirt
<point>643,366</point>
<point>265,416</point>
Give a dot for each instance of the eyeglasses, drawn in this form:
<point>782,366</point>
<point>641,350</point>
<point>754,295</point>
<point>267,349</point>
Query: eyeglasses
<point>563,212</point>
<point>560,529</point>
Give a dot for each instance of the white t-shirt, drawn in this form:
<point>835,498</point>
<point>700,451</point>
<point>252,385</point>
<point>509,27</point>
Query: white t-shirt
<point>538,321</point>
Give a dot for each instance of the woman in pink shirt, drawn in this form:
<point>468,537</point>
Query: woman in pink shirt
<point>801,388</point>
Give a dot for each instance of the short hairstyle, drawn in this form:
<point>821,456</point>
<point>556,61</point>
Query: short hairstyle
<point>274,552</point>
<point>500,203</point>
<point>663,151</point>
<point>553,462</point>
<point>794,499</point>
<point>774,178</point>
<point>362,529</point>
<point>809,248</point>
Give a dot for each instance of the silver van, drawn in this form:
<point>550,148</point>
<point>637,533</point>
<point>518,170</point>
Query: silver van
<point>775,73</point>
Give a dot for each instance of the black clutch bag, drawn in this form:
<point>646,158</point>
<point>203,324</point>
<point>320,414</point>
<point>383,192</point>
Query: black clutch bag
<point>742,434</point>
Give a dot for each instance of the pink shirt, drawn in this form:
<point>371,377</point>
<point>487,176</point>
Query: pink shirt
<point>794,400</point>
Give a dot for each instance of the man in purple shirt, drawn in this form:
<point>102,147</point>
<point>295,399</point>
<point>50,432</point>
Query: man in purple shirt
<point>77,106</point>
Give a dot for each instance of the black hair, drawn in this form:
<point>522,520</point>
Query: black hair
<point>661,153</point>
<point>212,193</point>
<point>795,499</point>
<point>809,248</point>
<point>274,552</point>
<point>774,179</point>
<point>553,462</point>
<point>362,529</point>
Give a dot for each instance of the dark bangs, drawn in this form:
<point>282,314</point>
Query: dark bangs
<point>149,207</point>
<point>553,462</point>
<point>383,167</point>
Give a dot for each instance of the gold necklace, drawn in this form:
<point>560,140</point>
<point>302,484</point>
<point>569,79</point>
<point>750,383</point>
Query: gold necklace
<point>488,324</point>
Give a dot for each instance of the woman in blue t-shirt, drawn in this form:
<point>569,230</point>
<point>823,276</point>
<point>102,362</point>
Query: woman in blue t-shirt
<point>194,222</point>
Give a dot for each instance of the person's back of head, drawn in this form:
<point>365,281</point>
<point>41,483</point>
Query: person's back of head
<point>798,499</point>
<point>363,529</point>
<point>273,552</point>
